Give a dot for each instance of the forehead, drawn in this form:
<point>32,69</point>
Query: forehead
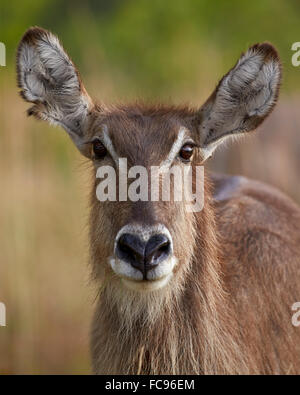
<point>143,137</point>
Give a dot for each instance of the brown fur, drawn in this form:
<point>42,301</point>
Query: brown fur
<point>227,307</point>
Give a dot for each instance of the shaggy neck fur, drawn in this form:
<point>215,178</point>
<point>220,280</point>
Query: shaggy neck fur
<point>186,328</point>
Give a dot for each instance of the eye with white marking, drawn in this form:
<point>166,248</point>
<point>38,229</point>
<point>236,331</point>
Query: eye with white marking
<point>186,152</point>
<point>99,149</point>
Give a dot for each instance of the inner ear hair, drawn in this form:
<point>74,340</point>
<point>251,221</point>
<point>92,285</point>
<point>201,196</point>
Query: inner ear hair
<point>244,97</point>
<point>49,79</point>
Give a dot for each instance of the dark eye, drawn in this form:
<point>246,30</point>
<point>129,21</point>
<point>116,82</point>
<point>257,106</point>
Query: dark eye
<point>186,152</point>
<point>99,150</point>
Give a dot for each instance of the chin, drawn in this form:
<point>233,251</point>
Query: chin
<point>146,285</point>
<point>132,279</point>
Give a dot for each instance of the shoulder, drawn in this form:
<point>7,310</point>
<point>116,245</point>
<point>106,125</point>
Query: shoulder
<point>254,219</point>
<point>236,193</point>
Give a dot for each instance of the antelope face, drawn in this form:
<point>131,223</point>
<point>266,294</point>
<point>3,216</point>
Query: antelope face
<point>150,237</point>
<point>141,241</point>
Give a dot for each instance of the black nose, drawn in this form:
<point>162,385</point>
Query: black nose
<point>143,256</point>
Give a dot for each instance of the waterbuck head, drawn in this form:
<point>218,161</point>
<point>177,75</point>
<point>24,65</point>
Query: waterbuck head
<point>140,240</point>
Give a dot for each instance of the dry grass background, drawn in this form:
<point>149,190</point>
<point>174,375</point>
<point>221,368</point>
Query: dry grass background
<point>44,183</point>
<point>43,265</point>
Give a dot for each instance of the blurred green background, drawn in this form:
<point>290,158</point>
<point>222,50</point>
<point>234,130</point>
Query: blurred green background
<point>170,51</point>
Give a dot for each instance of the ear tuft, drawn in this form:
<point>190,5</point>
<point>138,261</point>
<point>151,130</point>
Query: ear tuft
<point>267,50</point>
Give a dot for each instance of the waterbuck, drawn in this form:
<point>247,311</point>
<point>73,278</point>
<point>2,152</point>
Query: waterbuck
<point>180,291</point>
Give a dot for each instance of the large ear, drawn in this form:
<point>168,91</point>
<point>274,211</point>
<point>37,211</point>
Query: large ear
<point>242,100</point>
<point>48,78</point>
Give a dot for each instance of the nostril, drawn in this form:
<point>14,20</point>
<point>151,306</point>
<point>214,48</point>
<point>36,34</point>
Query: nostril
<point>131,249</point>
<point>124,248</point>
<point>162,250</point>
<point>157,249</point>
